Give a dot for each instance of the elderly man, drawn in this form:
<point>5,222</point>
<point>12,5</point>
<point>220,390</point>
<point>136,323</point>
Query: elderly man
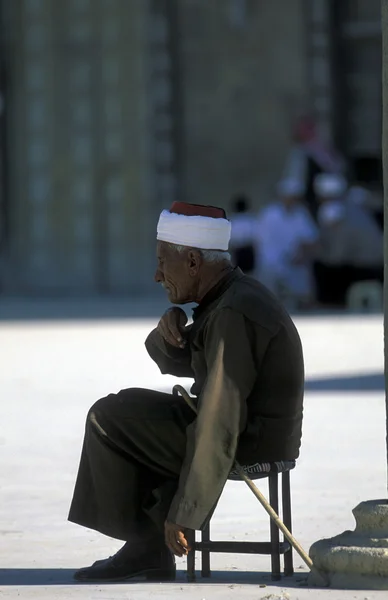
<point>150,468</point>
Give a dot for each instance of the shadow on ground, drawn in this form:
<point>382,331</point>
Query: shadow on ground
<point>45,577</point>
<point>371,382</point>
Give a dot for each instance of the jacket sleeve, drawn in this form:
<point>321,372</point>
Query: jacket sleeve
<point>222,411</point>
<point>170,360</point>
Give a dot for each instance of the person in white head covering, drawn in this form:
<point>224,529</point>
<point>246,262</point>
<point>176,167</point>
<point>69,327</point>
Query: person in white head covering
<point>311,154</point>
<point>287,237</point>
<point>329,186</point>
<point>152,468</point>
<point>368,198</point>
<point>351,246</point>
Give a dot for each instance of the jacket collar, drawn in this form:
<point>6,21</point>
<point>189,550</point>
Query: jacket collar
<point>217,291</point>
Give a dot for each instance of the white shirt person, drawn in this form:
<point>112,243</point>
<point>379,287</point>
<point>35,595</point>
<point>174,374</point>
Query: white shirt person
<point>287,236</point>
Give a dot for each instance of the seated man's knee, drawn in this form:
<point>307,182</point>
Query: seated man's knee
<point>111,405</point>
<point>101,410</point>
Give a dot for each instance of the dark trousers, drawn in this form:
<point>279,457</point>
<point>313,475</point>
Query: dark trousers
<point>131,458</point>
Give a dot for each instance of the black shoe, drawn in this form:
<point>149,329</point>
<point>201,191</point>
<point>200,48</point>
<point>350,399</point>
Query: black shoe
<point>156,565</point>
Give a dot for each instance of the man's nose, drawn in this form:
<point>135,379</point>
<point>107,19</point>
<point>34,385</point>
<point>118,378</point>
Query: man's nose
<point>158,277</point>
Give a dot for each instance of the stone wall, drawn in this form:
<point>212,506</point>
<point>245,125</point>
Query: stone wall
<point>78,145</point>
<point>243,65</point>
<point>117,107</point>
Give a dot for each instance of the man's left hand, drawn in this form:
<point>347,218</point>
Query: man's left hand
<point>174,536</point>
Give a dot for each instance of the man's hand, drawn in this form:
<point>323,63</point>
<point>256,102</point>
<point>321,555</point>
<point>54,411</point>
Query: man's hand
<point>174,536</point>
<point>172,325</point>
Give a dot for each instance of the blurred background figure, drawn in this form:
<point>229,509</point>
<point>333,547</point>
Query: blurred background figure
<point>309,156</point>
<point>351,247</point>
<point>361,195</point>
<point>243,244</point>
<point>287,238</point>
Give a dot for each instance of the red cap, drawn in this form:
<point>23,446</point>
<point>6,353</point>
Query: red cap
<point>197,210</point>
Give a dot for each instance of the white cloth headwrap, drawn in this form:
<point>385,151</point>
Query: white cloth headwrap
<point>329,185</point>
<point>206,233</point>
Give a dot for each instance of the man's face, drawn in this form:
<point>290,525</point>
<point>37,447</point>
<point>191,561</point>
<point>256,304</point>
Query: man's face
<point>177,272</point>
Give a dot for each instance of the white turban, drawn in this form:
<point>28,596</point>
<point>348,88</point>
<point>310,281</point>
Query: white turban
<point>196,231</point>
<point>329,185</point>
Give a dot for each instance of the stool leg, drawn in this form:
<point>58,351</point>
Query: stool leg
<point>190,536</point>
<point>286,501</point>
<point>274,502</point>
<point>205,554</point>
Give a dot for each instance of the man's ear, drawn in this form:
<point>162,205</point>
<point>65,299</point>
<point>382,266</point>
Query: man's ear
<point>195,260</point>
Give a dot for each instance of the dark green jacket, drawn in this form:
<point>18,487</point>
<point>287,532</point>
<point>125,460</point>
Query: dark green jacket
<point>246,359</point>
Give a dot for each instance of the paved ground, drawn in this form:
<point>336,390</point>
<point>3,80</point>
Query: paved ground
<point>51,371</point>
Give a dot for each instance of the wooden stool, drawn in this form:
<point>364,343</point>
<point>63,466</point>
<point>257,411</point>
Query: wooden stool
<point>274,547</point>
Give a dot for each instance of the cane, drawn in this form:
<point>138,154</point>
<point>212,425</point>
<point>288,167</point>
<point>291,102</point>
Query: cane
<point>263,501</point>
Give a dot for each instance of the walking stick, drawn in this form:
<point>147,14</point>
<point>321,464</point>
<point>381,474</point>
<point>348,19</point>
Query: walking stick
<point>178,389</point>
